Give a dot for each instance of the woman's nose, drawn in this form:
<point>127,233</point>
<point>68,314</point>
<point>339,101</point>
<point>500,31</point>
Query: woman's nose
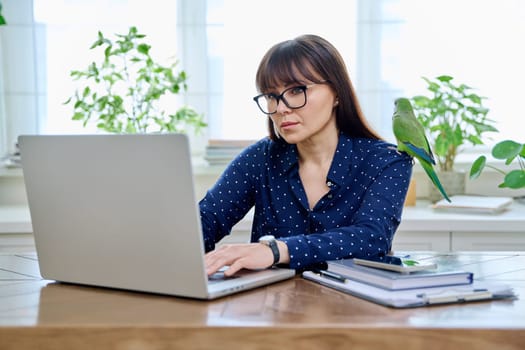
<point>282,108</point>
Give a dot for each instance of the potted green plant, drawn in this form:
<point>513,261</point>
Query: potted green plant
<point>454,116</point>
<point>509,151</point>
<point>124,92</point>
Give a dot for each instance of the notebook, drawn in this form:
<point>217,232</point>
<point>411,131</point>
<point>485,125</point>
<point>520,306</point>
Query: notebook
<point>119,211</point>
<point>474,204</point>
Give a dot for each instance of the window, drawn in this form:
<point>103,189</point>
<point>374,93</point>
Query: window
<point>70,27</point>
<point>388,46</point>
<point>479,43</point>
<point>46,39</point>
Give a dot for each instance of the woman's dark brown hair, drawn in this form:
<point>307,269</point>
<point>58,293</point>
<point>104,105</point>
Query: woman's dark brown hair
<point>315,59</point>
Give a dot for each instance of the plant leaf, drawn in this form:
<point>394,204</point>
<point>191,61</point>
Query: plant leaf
<point>143,48</point>
<point>444,78</point>
<point>409,262</point>
<point>515,179</point>
<point>477,167</point>
<point>506,149</point>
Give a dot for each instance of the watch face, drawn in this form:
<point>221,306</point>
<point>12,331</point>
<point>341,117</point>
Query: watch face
<point>266,238</point>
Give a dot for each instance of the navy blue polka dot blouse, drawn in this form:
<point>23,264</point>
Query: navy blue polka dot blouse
<point>368,180</point>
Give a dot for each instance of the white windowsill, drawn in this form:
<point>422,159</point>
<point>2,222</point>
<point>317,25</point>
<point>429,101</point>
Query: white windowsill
<point>420,218</point>
<point>15,218</point>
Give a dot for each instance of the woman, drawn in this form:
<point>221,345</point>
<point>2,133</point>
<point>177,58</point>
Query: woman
<point>324,184</point>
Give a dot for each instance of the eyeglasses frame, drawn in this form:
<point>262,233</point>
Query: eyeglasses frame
<point>281,96</point>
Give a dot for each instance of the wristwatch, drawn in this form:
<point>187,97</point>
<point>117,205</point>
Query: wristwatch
<point>271,242</point>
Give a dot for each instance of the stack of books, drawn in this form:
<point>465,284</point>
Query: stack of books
<point>392,280</point>
<point>221,152</point>
<point>410,284</point>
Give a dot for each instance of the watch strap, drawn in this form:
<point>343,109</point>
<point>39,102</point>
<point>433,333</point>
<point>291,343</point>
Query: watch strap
<point>271,242</point>
<point>275,250</point>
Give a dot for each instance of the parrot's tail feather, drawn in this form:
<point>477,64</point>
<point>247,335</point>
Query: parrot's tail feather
<point>435,180</point>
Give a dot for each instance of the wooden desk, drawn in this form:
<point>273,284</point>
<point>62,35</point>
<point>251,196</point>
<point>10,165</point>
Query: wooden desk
<point>294,314</point>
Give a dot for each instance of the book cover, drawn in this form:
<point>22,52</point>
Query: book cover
<point>392,280</point>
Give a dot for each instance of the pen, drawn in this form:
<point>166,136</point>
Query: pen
<point>331,275</point>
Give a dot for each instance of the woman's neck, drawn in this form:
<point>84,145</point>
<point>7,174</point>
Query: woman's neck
<point>315,159</point>
<point>319,149</point>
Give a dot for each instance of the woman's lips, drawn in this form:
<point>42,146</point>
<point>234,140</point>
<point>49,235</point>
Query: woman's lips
<point>286,125</point>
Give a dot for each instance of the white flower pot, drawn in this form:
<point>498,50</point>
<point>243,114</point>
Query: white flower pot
<point>453,182</point>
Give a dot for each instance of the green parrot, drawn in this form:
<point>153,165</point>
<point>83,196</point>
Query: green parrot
<point>411,139</point>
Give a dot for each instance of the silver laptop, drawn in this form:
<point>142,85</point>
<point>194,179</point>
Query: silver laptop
<point>119,211</point>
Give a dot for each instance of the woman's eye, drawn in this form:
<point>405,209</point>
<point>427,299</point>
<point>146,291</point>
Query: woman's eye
<point>297,90</point>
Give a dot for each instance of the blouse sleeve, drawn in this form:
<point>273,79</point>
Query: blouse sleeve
<point>228,201</point>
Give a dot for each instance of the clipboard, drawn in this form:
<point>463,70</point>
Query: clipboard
<point>411,298</point>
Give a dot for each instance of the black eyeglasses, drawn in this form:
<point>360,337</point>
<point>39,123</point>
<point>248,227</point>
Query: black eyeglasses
<point>293,97</point>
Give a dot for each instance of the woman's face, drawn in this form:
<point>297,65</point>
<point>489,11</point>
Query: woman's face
<point>315,119</point>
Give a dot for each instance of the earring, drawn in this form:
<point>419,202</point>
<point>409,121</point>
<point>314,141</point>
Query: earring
<point>336,103</point>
